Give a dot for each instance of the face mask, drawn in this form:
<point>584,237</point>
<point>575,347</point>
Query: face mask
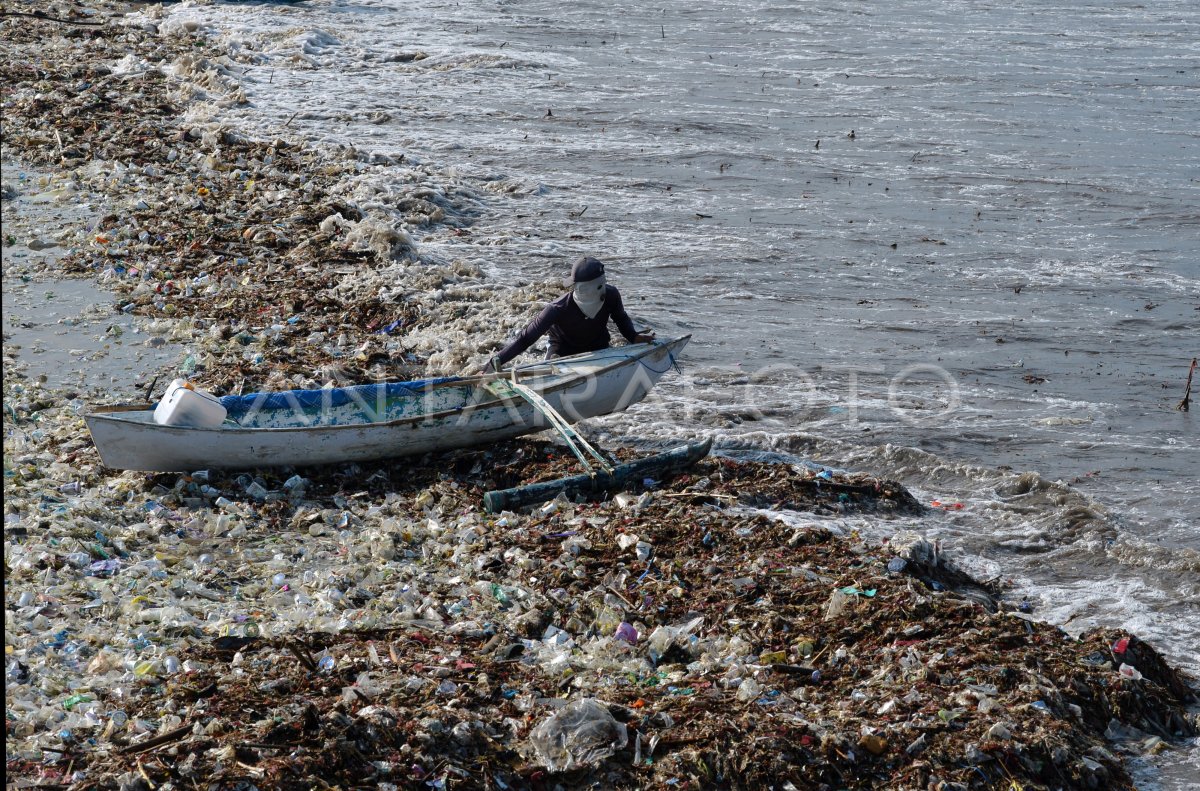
<point>589,296</point>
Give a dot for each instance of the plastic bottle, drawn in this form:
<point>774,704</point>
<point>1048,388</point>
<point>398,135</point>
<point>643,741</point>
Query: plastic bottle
<point>748,690</point>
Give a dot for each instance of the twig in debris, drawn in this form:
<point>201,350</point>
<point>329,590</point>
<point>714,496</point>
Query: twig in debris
<point>289,121</point>
<point>158,741</point>
<point>818,656</point>
<point>701,495</point>
<point>303,656</point>
<point>150,387</point>
<point>146,777</point>
<point>670,744</point>
<point>48,18</point>
<point>1185,404</point>
<point>617,593</point>
<point>799,670</point>
<point>255,772</point>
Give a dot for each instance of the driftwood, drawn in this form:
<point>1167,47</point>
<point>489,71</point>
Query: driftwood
<point>158,741</point>
<point>663,464</point>
<point>46,17</point>
<point>1185,404</point>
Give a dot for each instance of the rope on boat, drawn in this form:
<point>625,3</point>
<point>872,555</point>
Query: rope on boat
<point>570,435</point>
<point>670,356</point>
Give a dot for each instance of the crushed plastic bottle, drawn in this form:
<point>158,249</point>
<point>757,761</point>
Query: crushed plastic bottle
<point>1130,672</point>
<point>748,690</point>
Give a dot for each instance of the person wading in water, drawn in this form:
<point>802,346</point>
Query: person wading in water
<point>577,321</point>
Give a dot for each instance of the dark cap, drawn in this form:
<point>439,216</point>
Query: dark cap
<point>585,269</point>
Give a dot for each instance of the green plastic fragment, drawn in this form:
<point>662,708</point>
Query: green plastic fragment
<point>74,701</point>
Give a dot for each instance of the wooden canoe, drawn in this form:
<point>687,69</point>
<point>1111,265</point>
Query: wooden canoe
<point>384,420</point>
<point>624,475</point>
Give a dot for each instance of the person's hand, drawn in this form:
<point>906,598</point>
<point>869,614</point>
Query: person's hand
<point>492,365</point>
<point>644,337</point>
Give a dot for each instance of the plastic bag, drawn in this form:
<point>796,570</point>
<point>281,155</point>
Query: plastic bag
<point>583,732</point>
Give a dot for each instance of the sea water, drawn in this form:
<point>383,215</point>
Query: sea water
<point>953,243</point>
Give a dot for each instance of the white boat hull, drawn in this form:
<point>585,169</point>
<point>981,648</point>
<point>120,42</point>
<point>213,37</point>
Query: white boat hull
<point>451,415</point>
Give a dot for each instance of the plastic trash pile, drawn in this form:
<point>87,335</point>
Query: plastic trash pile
<point>371,625</point>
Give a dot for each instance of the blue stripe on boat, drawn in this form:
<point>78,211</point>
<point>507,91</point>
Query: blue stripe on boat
<point>327,397</point>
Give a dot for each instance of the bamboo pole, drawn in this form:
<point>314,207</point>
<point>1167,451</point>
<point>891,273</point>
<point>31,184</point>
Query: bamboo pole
<point>1185,404</point>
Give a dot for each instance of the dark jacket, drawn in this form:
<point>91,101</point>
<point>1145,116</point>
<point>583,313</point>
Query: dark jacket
<point>571,332</point>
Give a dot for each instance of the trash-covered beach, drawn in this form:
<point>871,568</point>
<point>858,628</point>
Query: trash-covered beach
<point>370,625</point>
